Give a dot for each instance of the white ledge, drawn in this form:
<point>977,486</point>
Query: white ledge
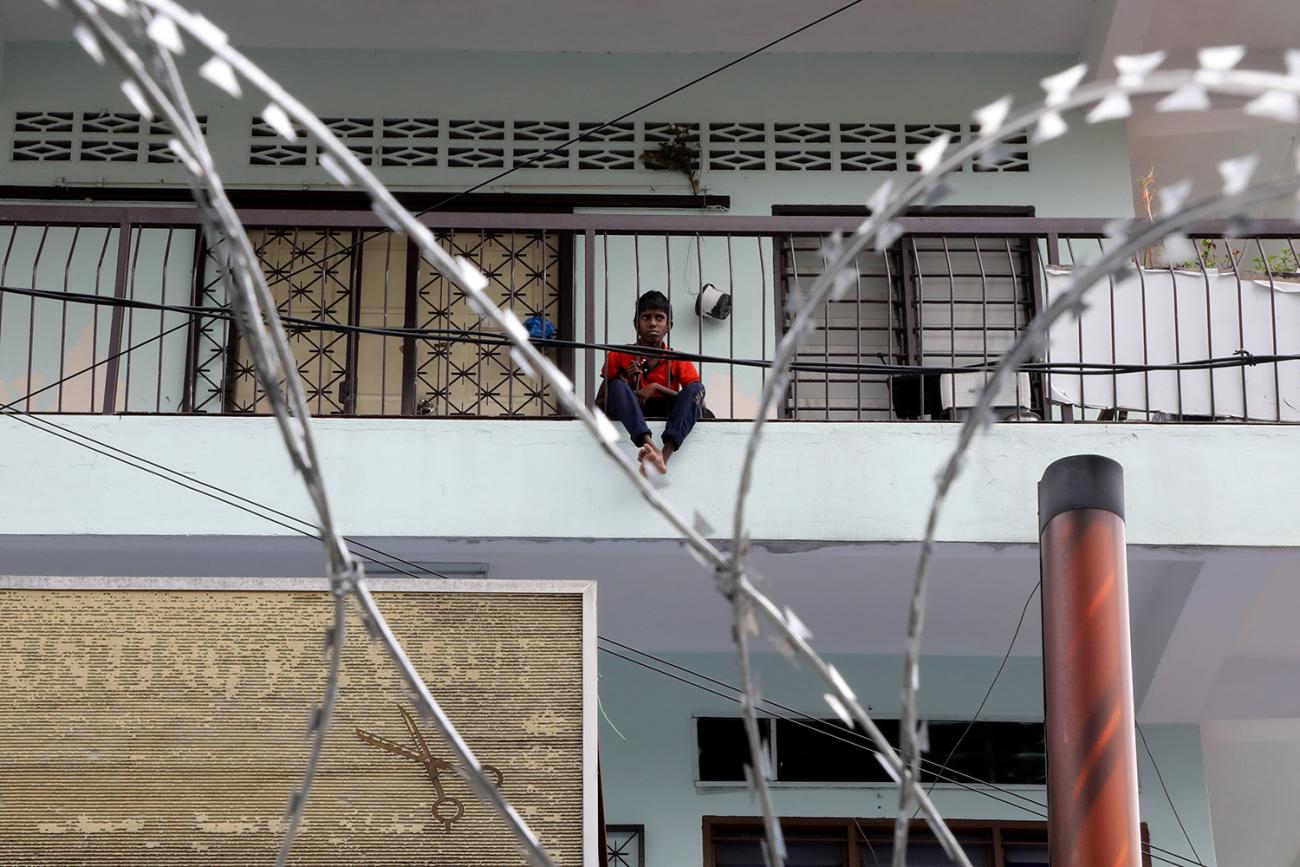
<point>1186,484</point>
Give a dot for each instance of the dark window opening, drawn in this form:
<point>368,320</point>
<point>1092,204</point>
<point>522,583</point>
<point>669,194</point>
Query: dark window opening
<point>723,748</point>
<point>827,751</point>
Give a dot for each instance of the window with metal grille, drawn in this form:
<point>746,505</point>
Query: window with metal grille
<point>947,301</point>
<point>350,277</point>
<point>827,751</point>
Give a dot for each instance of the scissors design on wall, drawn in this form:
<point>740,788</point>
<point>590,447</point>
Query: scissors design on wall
<point>447,809</point>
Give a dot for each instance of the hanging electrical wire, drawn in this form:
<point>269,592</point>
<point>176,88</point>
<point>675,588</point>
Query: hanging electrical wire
<point>296,324</point>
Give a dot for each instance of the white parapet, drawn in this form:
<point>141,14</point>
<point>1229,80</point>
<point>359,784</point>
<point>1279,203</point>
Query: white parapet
<point>1226,484</point>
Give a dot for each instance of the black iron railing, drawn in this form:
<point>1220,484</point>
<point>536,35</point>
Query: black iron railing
<point>111,310</point>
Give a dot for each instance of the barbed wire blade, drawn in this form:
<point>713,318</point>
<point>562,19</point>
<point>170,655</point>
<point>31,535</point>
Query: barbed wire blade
<point>1276,105</point>
<point>887,235</point>
<point>840,683</point>
<point>1189,97</point>
<point>929,157</point>
<point>221,74</point>
<point>990,117</point>
<point>1173,196</point>
<point>1237,172</point>
<point>1050,126</point>
<point>183,154</point>
<point>1220,58</point>
<point>880,198</point>
<point>1177,250</point>
<point>88,43</point>
<point>1293,63</point>
<point>1113,106</point>
<point>277,119</point>
<point>697,555</point>
<point>1058,87</point>
<point>117,7</point>
<point>993,156</point>
<point>335,169</point>
<point>525,366</point>
<point>205,31</point>
<point>797,626</point>
<point>135,96</point>
<point>1134,68</point>
<point>837,707</point>
<point>162,29</point>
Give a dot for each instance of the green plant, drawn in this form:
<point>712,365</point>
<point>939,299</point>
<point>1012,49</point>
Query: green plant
<point>678,153</point>
<point>1210,258</point>
<point>1281,262</point>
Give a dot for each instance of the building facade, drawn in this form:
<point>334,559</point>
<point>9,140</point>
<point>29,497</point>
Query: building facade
<point>444,459</point>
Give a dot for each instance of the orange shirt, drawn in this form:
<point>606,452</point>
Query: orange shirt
<point>671,373</point>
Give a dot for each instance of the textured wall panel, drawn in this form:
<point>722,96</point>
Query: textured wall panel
<point>167,727</point>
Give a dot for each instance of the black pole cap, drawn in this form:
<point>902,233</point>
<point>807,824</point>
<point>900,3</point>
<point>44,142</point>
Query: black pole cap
<point>1080,482</point>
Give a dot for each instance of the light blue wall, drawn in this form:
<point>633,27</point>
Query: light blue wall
<point>1084,174</point>
<point>649,772</point>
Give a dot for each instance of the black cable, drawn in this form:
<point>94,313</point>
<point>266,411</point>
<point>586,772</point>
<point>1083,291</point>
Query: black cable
<point>70,436</point>
<point>988,692</point>
<point>860,738</point>
<point>88,368</point>
<point>179,479</point>
<point>352,248</point>
<point>450,335</point>
<point>1155,852</point>
<point>803,724</point>
<point>1168,797</point>
<point>154,468</point>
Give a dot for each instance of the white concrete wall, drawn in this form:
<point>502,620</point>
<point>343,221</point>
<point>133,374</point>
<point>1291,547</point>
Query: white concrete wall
<point>1186,485</point>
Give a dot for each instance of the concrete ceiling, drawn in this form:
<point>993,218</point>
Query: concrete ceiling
<point>1066,27</point>
<point>622,25</point>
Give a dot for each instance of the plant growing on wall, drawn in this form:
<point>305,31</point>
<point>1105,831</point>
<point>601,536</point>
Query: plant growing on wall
<point>678,153</point>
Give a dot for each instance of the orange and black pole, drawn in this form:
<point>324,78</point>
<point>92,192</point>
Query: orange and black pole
<point>1092,793</point>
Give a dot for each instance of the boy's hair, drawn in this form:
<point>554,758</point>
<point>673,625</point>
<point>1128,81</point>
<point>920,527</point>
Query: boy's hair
<point>654,300</point>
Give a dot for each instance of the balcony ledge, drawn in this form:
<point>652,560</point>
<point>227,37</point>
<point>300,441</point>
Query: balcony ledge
<point>1187,485</point>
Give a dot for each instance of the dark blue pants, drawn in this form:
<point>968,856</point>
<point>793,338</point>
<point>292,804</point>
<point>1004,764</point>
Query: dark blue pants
<point>683,411</point>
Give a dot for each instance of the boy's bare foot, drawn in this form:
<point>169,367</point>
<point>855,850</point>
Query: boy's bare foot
<point>651,459</point>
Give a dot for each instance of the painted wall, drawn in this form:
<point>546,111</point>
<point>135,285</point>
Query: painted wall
<point>649,773</point>
<point>1186,484</point>
<point>1085,174</point>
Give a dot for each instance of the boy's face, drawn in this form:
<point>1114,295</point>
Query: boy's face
<point>651,327</point>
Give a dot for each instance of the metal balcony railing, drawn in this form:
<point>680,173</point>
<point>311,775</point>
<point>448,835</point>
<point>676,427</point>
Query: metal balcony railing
<point>124,310</point>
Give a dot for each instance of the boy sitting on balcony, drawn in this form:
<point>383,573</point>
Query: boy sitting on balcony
<point>636,386</point>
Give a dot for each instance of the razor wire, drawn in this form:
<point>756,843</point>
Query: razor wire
<point>162,26</point>
<point>1276,96</point>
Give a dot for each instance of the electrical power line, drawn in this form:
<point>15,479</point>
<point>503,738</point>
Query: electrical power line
<point>581,137</point>
<point>250,506</point>
<point>979,786</point>
<point>997,674</point>
<point>452,335</point>
<point>1165,789</point>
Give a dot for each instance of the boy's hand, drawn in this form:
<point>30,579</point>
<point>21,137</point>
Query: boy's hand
<point>648,391</point>
<point>632,372</point>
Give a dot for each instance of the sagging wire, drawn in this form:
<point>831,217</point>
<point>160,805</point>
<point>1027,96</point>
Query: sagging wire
<point>1240,358</point>
<point>1276,96</point>
<point>344,165</point>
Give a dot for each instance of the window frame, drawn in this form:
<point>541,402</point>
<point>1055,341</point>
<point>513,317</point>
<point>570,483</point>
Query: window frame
<point>773,752</point>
